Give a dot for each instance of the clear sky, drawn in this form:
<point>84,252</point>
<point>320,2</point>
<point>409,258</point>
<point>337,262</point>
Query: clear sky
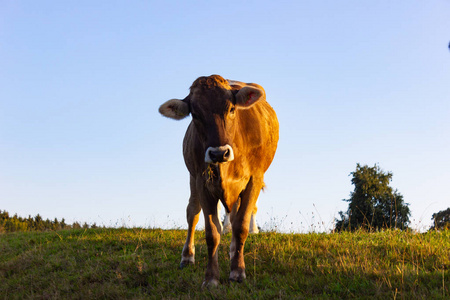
<point>351,81</point>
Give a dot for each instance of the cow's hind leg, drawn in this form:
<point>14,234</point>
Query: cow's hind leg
<point>192,214</point>
<point>226,224</point>
<point>219,208</point>
<point>253,226</point>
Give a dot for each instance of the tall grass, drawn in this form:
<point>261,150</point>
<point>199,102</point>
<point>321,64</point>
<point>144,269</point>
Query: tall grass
<point>143,263</point>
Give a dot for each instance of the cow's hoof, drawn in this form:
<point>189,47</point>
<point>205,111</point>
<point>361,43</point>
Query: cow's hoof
<point>212,283</point>
<point>237,276</point>
<point>185,263</point>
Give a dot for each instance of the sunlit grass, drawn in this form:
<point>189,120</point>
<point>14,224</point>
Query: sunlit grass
<point>143,263</point>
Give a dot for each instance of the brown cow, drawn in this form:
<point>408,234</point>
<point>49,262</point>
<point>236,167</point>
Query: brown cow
<point>228,146</point>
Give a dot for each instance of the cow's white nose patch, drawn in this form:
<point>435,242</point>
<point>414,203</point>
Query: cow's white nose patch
<point>215,155</point>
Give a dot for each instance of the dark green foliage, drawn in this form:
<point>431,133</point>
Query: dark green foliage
<point>15,223</point>
<point>441,220</point>
<point>373,204</point>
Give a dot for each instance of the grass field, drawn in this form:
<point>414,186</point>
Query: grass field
<point>143,264</point>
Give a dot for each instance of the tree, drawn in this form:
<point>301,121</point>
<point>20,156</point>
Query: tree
<point>373,204</point>
<point>16,223</point>
<point>441,220</point>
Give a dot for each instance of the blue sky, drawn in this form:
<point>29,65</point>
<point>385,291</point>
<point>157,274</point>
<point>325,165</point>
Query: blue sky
<point>351,81</point>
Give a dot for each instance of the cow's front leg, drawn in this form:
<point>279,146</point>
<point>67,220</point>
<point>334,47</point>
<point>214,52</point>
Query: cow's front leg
<point>212,233</point>
<point>240,227</point>
<point>192,214</point>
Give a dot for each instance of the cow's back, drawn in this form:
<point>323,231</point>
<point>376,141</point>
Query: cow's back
<point>259,132</point>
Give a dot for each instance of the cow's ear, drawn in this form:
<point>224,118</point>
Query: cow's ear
<point>249,95</point>
<point>175,109</point>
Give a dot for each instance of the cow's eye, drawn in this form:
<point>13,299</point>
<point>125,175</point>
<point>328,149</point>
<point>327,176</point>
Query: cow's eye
<point>232,111</point>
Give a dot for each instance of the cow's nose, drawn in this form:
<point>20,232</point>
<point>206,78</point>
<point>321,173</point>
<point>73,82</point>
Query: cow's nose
<point>220,154</point>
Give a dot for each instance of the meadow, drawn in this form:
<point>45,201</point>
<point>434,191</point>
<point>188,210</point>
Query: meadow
<point>136,263</point>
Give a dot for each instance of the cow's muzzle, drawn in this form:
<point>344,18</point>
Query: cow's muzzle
<point>215,155</point>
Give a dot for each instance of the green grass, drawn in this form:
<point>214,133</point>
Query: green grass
<point>143,264</point>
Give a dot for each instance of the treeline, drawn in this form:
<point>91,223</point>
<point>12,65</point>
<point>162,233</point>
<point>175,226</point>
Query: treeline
<point>37,223</point>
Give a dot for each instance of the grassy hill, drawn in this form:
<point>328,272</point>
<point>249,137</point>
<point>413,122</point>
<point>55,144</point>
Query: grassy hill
<point>143,264</point>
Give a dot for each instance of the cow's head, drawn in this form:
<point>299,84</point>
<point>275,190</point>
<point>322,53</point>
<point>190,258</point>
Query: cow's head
<point>214,104</point>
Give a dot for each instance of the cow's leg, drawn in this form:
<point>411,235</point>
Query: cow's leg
<point>212,234</point>
<point>219,208</point>
<point>230,217</point>
<point>240,226</point>
<point>253,225</point>
<point>192,214</point>
<point>226,224</point>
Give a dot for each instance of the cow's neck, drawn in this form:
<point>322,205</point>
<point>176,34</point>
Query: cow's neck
<point>226,182</point>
